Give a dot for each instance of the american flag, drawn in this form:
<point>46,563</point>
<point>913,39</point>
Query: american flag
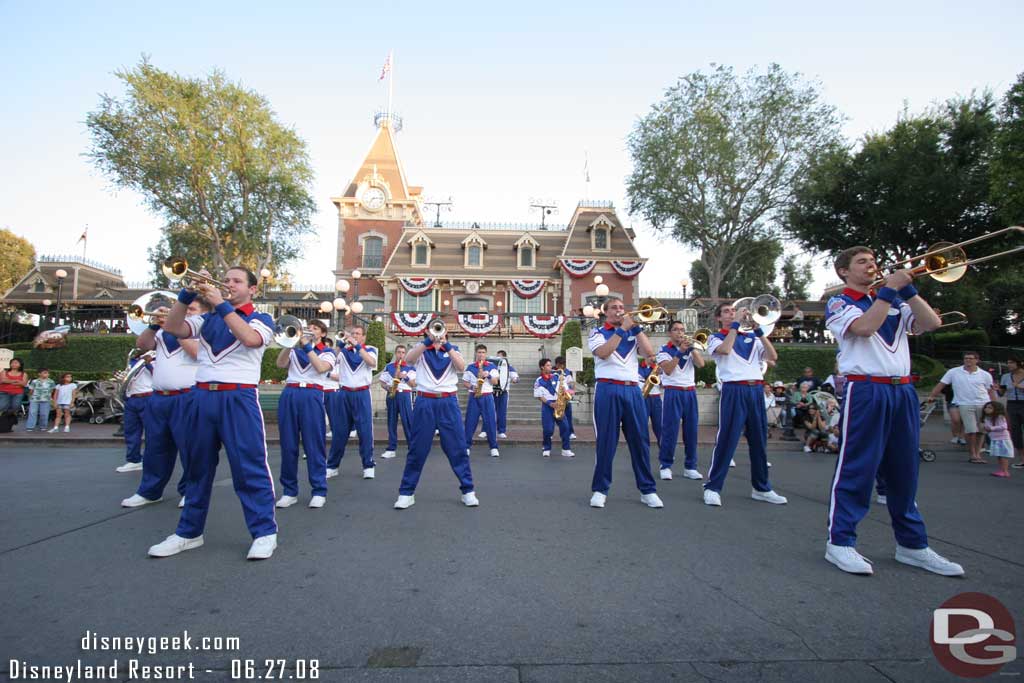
<point>386,69</point>
<point>85,235</point>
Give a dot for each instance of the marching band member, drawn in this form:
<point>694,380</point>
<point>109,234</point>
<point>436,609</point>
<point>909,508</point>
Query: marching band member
<point>224,410</point>
<point>561,369</point>
<point>738,357</point>
<point>138,392</point>
<point>437,363</point>
<point>481,407</point>
<point>332,390</point>
<point>617,402</point>
<point>501,398</point>
<point>653,399</point>
<point>354,370</point>
<point>545,390</point>
<point>879,428</point>
<point>167,436</point>
<point>399,406</point>
<point>300,415</point>
<point>678,359</point>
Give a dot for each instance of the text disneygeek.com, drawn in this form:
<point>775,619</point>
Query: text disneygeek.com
<point>143,670</point>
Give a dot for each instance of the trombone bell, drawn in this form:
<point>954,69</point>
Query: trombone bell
<point>649,311</point>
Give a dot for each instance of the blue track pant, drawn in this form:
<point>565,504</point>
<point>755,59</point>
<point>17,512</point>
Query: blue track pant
<point>352,410</point>
<point>548,422</point>
<point>231,419</point>
<point>134,416</point>
<point>679,405</point>
<point>478,409</point>
<point>879,432</point>
<point>399,407</point>
<point>166,437</point>
<point>654,413</point>
<point>501,411</point>
<point>619,406</point>
<point>441,414</point>
<point>740,411</point>
<point>300,417</point>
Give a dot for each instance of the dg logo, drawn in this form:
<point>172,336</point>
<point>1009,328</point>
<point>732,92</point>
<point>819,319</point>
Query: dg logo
<point>973,635</point>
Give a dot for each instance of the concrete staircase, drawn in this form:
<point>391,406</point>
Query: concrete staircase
<point>522,406</point>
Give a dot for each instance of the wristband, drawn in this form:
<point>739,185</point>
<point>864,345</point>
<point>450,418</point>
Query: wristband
<point>621,332</point>
<point>224,308</point>
<point>758,332</point>
<point>447,347</point>
<point>428,342</point>
<point>735,326</point>
<point>307,348</point>
<point>908,292</point>
<point>636,330</point>
<point>154,327</point>
<point>187,296</point>
<point>886,294</point>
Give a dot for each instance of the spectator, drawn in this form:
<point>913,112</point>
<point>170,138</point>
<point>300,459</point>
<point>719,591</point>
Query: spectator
<point>833,440</point>
<point>994,424</point>
<point>972,389</point>
<point>1011,386</point>
<point>797,324</point>
<point>800,401</point>
<point>12,386</point>
<point>40,391</point>
<point>817,429</point>
<point>808,378</point>
<point>771,409</point>
<point>64,398</point>
<point>837,381</point>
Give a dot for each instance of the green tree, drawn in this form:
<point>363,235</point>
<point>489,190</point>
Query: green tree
<point>1007,168</point>
<point>754,275</point>
<point>796,277</point>
<point>714,162</point>
<point>17,255</point>
<point>209,157</point>
<point>376,337</point>
<point>571,336</point>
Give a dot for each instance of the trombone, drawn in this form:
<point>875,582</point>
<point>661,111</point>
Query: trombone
<point>649,311</point>
<point>952,319</point>
<point>947,262</point>
<point>176,269</point>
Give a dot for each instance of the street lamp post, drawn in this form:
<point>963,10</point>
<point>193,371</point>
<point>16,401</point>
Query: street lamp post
<point>265,275</point>
<point>341,287</point>
<point>61,274</point>
<point>684,283</point>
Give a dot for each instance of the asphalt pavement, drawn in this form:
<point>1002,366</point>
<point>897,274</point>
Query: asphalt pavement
<point>533,585</point>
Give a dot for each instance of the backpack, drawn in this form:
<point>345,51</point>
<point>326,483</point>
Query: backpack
<point>7,422</point>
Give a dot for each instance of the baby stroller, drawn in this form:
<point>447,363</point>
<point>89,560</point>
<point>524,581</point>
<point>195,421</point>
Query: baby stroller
<point>98,402</point>
<point>927,408</point>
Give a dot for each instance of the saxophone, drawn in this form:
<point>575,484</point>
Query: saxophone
<point>561,397</point>
<point>652,380</point>
<point>478,392</point>
<point>395,381</point>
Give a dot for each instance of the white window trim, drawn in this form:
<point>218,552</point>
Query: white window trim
<point>465,255</point>
<point>519,257</point>
<point>412,255</point>
<point>607,230</point>
<point>512,297</point>
<point>432,297</point>
<point>383,248</point>
<point>461,297</point>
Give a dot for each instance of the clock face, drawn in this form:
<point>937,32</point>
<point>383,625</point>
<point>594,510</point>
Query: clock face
<point>373,198</point>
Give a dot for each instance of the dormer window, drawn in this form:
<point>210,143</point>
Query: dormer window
<point>474,246</point>
<point>421,247</point>
<point>525,257</point>
<point>526,252</point>
<point>601,234</point>
<point>421,253</point>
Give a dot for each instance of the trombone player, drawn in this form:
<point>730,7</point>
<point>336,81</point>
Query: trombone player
<point>677,360</point>
<point>353,410</point>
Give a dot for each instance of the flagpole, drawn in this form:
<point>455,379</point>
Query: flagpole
<point>391,81</point>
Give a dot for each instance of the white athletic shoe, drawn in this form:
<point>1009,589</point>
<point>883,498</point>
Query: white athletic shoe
<point>692,474</point>
<point>352,434</point>
<point>666,473</point>
<point>503,435</point>
<point>67,428</point>
<point>470,500</point>
<point>467,451</point>
<point>768,497</point>
<point>54,430</point>
<point>483,435</point>
<point>954,440</point>
<point>882,500</point>
<point>369,473</point>
<point>848,559</point>
<point>181,503</point>
<point>137,501</point>
<point>572,436</point>
<point>712,498</point>
<point>286,501</point>
<point>545,454</point>
<point>732,463</point>
<point>129,467</point>
<point>262,548</point>
<point>317,501</point>
<point>174,544</point>
<point>328,435</point>
<point>926,558</point>
<point>495,453</point>
<point>566,453</point>
<point>332,472</point>
<point>769,464</point>
<point>597,500</point>
<point>807,449</point>
<point>651,500</point>
<point>387,455</point>
<point>404,502</point>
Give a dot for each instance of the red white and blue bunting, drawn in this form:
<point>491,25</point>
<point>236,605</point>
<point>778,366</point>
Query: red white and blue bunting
<point>412,324</point>
<point>527,289</point>
<point>628,269</point>
<point>478,324</point>
<point>544,326</point>
<point>417,286</point>
<point>578,267</point>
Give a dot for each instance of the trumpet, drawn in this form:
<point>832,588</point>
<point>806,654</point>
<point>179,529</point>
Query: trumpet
<point>947,262</point>
<point>649,311</point>
<point>289,331</point>
<point>176,269</point>
<point>762,311</point>
<point>436,329</point>
<point>143,311</point>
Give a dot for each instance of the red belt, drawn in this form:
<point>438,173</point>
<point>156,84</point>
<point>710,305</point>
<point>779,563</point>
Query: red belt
<point>172,392</point>
<point>747,382</point>
<point>667,386</point>
<point>356,388</point>
<point>880,380</point>
<point>303,385</point>
<point>617,381</point>
<point>217,386</point>
<point>148,393</point>
<point>427,394</point>
<point>329,391</point>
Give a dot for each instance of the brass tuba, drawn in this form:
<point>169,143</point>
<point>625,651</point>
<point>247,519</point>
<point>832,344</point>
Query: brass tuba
<point>123,378</point>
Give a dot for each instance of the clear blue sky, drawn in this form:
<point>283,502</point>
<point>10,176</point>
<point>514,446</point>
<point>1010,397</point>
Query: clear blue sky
<point>499,101</point>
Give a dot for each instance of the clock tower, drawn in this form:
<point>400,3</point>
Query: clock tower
<point>376,205</point>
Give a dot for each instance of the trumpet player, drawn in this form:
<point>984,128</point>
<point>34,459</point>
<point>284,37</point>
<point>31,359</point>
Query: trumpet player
<point>354,371</point>
<point>437,363</point>
<point>224,410</point>
<point>138,392</point>
<point>677,360</point>
<point>398,380</point>
<point>878,429</point>
<point>618,403</point>
<point>545,390</point>
<point>653,398</point>
<point>738,357</point>
<point>167,435</point>
<point>481,378</point>
<point>300,414</point>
